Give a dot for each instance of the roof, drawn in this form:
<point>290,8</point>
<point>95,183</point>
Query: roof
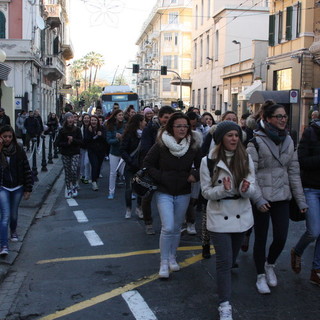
<point>276,96</point>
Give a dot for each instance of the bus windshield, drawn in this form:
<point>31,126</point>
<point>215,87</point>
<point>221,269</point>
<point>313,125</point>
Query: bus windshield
<point>123,99</point>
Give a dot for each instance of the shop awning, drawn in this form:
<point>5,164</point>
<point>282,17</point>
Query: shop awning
<point>246,94</point>
<point>276,96</point>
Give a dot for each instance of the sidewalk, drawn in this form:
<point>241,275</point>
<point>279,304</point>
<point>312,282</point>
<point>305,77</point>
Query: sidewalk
<point>29,209</point>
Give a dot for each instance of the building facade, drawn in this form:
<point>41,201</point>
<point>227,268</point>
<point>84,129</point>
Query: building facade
<point>294,57</point>
<point>229,48</point>
<point>165,40</point>
<point>35,37</point>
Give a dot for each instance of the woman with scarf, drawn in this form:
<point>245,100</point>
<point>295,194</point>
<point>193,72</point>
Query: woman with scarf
<point>173,162</point>
<point>129,151</point>
<point>68,141</point>
<point>15,182</point>
<point>277,180</point>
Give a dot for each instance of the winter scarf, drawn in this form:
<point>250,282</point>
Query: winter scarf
<point>276,135</point>
<point>7,151</point>
<point>175,148</point>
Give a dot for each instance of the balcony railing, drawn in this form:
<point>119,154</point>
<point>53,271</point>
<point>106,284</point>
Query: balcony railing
<point>53,68</point>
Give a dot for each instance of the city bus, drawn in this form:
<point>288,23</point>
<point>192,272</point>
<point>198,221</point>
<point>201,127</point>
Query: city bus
<point>123,95</point>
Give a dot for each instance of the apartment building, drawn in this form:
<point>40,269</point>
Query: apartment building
<point>294,57</point>
<point>165,40</point>
<point>228,53</point>
<point>35,38</point>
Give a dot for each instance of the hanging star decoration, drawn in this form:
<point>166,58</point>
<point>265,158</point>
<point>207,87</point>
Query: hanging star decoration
<point>104,11</point>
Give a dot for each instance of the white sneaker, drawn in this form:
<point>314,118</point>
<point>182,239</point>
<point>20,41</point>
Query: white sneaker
<point>94,186</point>
<point>225,311</point>
<point>191,228</point>
<point>270,275</point>
<point>164,270</point>
<point>262,285</point>
<point>68,193</point>
<point>128,213</point>
<point>75,191</point>
<point>139,213</point>
<point>173,265</point>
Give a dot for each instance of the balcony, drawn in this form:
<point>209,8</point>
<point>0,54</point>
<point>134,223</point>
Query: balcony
<point>53,14</point>
<point>155,35</point>
<point>67,51</point>
<point>53,68</point>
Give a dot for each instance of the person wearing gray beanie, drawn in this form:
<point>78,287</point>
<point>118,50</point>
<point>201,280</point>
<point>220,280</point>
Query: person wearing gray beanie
<point>223,128</point>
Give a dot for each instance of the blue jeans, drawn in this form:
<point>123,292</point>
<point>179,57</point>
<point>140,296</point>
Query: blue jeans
<point>313,226</point>
<point>9,203</point>
<point>172,210</point>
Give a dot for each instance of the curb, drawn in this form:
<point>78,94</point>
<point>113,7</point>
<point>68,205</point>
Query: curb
<point>40,193</point>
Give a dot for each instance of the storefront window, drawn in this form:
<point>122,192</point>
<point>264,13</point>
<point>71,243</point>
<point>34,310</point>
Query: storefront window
<point>283,79</point>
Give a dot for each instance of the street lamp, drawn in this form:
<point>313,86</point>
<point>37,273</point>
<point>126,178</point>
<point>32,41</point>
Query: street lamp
<point>239,43</point>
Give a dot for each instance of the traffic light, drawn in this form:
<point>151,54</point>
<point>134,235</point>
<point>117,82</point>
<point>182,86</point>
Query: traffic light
<point>77,83</point>
<point>163,70</point>
<point>135,68</point>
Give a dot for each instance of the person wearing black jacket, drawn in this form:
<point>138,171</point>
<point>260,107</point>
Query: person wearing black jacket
<point>33,128</point>
<point>129,151</point>
<point>4,119</point>
<point>15,182</point>
<point>309,159</point>
<point>68,141</point>
<point>148,139</point>
<point>95,140</point>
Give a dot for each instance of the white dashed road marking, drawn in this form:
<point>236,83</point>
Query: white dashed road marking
<point>138,306</point>
<point>72,203</point>
<point>93,238</point>
<point>81,217</point>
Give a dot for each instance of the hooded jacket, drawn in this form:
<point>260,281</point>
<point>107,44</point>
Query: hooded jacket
<point>277,171</point>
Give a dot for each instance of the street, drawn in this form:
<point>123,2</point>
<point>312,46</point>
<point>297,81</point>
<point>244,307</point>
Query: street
<point>84,260</point>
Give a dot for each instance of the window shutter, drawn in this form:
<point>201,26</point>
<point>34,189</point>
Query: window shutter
<point>271,30</point>
<point>2,26</point>
<point>289,23</point>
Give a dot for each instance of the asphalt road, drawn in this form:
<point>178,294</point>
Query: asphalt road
<point>63,276</point>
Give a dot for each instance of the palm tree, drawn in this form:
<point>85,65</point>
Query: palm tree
<point>99,62</point>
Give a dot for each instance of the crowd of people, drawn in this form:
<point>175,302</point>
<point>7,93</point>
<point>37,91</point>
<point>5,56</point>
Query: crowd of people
<point>240,173</point>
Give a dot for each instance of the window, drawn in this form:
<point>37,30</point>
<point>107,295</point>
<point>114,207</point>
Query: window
<point>214,98</point>
<point>296,17</point>
<point>208,48</point>
<point>167,36</point>
<point>209,9</point>
<point>195,56</point>
<point>205,98</point>
<point>199,97</point>
<point>201,52</point>
<point>2,26</point>
<point>167,61</point>
<point>166,86</point>
<point>173,18</point>
<point>289,23</point>
<point>176,37</point>
<point>283,79</point>
<point>173,1</point>
<point>216,46</point>
<point>279,24</point>
<point>202,12</point>
<point>196,17</point>
<point>175,62</point>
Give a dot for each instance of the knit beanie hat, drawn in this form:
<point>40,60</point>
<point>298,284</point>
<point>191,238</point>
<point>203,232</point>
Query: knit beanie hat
<point>223,128</point>
<point>68,115</point>
<point>146,110</point>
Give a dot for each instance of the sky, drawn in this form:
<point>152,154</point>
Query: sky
<point>109,27</point>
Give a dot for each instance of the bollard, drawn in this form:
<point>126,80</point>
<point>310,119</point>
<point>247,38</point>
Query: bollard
<point>50,149</point>
<point>44,161</point>
<point>34,160</point>
<point>55,149</point>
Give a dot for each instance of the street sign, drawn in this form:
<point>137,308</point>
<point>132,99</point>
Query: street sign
<point>66,91</point>
<point>316,96</point>
<point>294,96</point>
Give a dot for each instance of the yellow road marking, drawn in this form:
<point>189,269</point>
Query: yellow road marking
<point>117,255</point>
<point>116,292</point>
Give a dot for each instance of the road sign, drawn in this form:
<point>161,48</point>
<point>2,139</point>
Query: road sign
<point>294,96</point>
